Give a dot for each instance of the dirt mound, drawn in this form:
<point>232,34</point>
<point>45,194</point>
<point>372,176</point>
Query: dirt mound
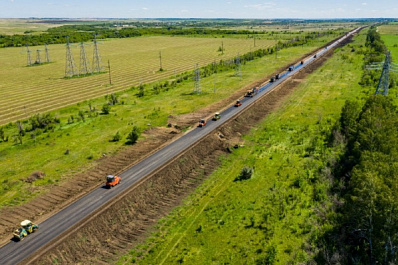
<point>139,209</point>
<point>35,176</point>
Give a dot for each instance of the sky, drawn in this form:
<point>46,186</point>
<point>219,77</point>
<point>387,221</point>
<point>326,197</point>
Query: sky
<point>198,9</point>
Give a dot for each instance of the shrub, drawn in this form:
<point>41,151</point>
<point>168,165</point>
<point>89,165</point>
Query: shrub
<point>116,137</point>
<point>132,137</point>
<point>106,108</point>
<point>246,173</point>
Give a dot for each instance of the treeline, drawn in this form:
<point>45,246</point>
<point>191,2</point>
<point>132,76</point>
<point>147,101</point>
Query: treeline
<point>366,187</point>
<point>365,190</point>
<point>83,33</point>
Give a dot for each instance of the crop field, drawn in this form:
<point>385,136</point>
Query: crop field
<point>19,26</point>
<point>388,29</point>
<point>28,90</point>
<point>275,216</point>
<point>88,140</point>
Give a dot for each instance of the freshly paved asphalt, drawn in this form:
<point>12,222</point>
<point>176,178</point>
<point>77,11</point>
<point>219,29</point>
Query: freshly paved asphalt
<point>15,252</point>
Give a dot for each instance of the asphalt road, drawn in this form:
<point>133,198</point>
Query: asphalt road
<point>15,252</point>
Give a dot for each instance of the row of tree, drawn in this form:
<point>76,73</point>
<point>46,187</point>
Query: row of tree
<point>366,180</point>
<point>82,33</point>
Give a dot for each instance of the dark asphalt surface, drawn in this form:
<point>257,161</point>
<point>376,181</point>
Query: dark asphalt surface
<point>15,252</point>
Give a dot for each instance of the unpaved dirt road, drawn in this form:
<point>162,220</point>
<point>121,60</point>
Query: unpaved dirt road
<point>78,212</point>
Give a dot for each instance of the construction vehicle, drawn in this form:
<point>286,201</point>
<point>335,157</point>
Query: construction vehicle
<point>291,68</point>
<point>112,181</point>
<point>314,56</point>
<point>302,62</point>
<point>216,116</point>
<point>202,123</point>
<point>251,93</point>
<point>238,103</point>
<point>27,228</point>
<point>20,234</point>
<point>277,76</point>
<point>272,80</point>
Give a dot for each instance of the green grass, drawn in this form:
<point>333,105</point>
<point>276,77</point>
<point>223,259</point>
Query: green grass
<point>271,218</point>
<point>89,140</point>
<point>391,41</point>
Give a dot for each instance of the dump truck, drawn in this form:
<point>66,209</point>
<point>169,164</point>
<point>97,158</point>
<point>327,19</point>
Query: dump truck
<point>216,116</point>
<point>251,93</point>
<point>112,181</point>
<point>238,103</point>
<point>202,123</point>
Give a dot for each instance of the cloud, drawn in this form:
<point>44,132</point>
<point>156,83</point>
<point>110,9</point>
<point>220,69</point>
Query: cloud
<point>364,4</point>
<point>145,8</point>
<point>261,6</point>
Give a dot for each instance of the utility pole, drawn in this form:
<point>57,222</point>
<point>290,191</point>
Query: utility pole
<point>197,79</point>
<point>29,58</point>
<point>222,48</point>
<point>97,62</point>
<point>388,66</point>
<point>160,60</point>
<point>84,67</point>
<point>38,59</point>
<point>47,54</point>
<point>70,67</point>
<point>215,82</point>
<point>238,71</point>
<point>109,69</point>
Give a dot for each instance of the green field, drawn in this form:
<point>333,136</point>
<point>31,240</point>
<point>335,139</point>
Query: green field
<point>88,140</point>
<point>389,34</point>
<point>276,216</point>
<point>28,90</point>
